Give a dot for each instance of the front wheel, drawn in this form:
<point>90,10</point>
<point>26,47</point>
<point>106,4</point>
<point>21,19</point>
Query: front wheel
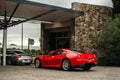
<point>37,63</point>
<point>27,63</point>
<point>66,65</point>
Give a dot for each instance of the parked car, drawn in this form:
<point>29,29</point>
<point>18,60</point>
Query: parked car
<point>18,57</point>
<point>66,59</point>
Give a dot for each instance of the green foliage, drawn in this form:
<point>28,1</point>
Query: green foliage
<point>109,43</point>
<point>32,52</point>
<point>116,6</point>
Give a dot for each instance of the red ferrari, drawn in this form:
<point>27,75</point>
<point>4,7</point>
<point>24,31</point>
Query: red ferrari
<point>66,59</point>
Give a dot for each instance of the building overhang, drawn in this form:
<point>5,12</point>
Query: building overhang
<point>36,11</point>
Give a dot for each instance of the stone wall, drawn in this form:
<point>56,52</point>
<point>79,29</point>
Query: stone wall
<point>89,26</point>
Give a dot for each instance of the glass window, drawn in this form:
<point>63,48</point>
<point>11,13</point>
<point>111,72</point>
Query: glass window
<point>19,52</point>
<point>59,52</point>
<point>74,51</point>
<point>9,53</point>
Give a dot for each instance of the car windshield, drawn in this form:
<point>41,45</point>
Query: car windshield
<point>74,51</point>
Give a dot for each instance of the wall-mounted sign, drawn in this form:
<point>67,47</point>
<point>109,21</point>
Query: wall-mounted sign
<point>30,41</point>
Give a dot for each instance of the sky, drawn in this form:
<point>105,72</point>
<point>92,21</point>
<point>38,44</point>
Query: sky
<point>30,30</point>
<point>33,30</point>
<point>67,3</point>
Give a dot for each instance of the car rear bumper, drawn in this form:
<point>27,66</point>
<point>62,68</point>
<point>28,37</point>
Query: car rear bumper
<point>84,62</point>
<point>24,61</point>
<point>83,65</point>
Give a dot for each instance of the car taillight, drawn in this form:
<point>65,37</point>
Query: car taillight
<point>31,56</point>
<point>94,55</point>
<point>18,56</point>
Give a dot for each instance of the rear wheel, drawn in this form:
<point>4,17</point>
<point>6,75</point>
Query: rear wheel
<point>66,65</point>
<point>86,67</point>
<point>37,63</point>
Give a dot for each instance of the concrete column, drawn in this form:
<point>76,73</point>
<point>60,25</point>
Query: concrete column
<point>4,46</point>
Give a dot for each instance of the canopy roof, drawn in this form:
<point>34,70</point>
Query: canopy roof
<point>36,11</point>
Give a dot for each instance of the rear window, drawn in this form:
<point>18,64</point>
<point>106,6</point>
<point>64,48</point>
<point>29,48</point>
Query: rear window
<point>74,51</point>
<point>19,52</point>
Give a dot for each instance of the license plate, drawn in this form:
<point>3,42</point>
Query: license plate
<point>26,61</point>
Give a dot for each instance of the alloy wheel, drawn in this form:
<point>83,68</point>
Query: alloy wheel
<point>37,63</point>
<point>66,65</point>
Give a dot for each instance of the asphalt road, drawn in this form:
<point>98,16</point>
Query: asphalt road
<point>31,73</point>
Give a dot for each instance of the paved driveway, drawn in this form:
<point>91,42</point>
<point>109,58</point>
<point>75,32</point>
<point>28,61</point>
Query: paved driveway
<point>31,73</point>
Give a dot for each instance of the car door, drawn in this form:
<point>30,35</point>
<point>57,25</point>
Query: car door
<point>56,58</point>
<point>9,56</point>
<point>46,60</point>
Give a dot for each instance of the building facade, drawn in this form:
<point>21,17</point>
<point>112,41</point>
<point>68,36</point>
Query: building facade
<point>80,33</point>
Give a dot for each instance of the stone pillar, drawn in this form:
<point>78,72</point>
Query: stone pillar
<point>89,26</point>
<point>44,39</point>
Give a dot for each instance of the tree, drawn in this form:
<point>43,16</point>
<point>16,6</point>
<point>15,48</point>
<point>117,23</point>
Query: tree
<point>116,6</point>
<point>13,44</point>
<point>109,42</point>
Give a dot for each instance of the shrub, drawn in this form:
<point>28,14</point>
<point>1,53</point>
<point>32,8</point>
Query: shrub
<point>109,43</point>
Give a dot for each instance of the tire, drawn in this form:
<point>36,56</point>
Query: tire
<point>86,68</point>
<point>27,63</point>
<point>37,63</point>
<point>66,66</point>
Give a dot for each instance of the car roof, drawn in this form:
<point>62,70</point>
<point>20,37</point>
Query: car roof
<point>15,50</point>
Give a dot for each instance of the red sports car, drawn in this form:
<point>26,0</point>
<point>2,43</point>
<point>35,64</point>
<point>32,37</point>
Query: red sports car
<point>66,59</point>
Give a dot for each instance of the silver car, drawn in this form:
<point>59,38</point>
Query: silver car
<point>18,57</point>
